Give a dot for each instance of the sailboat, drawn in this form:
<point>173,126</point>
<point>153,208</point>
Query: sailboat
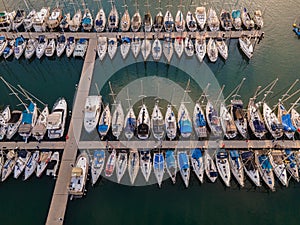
<point>53,165</point>
<point>246,46</point>
<point>179,19</point>
<point>20,45</point>
<point>125,20</point>
<point>40,19</point>
<point>5,116</point>
<point>112,47</point>
<point>198,163</point>
<point>81,47</point>
<point>291,164</point>
<point>30,48</point>
<point>70,46</point>
<point>222,47</point>
<point>117,117</point>
<point>236,19</point>
<point>28,21</point>
<point>210,167</point>
<point>92,111</point>
<point>168,21</point>
<point>156,50</point>
<point>189,46</point>
<point>223,166</point>
<point>159,167</point>
<point>40,128</point>
<point>271,121</point>
<point>143,123</point>
<point>18,19</point>
<point>50,49</point>
<point>146,163</point>
<point>171,165</point>
<point>213,119</point>
<point>41,47</point>
<point>184,166</point>
<point>236,167</point>
<point>75,23</point>
<point>31,164</point>
<point>64,22</point>
<point>111,163</point>
<point>168,48</point>
<point>9,165</point>
<point>258,20</point>
<point>191,22</point>
<point>135,46</point>
<point>159,20</point>
<point>97,165</point>
<point>148,21</point>
<point>55,18</point>
<point>170,123</point>
<point>9,49</point>
<point>226,20</point>
<point>212,50</point>
<point>295,116</point>
<point>179,46</point>
<point>136,20</point>
<point>250,166</point>
<point>3,44</point>
<point>23,157</point>
<point>157,123</point>
<point>121,165</point>
<point>265,169</point>
<point>199,121</point>
<point>125,46</point>
<point>113,18</point>
<point>277,161</point>
<point>104,121</point>
<point>200,14</point>
<point>200,48</point>
<point>133,165</point>
<point>247,21</point>
<point>212,20</point>
<point>146,48</point>
<point>227,122</point>
<point>102,47</point>
<point>14,123</point>
<point>100,20</point>
<point>87,20</point>
<point>130,121</point>
<point>61,45</point>
<point>43,161</point>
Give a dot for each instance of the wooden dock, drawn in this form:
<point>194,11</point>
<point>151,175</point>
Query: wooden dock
<point>53,145</point>
<point>60,195</point>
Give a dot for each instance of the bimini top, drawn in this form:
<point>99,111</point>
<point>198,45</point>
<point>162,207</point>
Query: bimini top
<point>185,126</point>
<point>27,115</point>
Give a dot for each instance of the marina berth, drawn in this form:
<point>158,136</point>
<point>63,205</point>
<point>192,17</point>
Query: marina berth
<point>14,123</point>
<point>146,48</point>
<point>6,19</point>
<point>222,48</point>
<point>97,165</point>
<point>200,15</point>
<point>291,164</point>
<point>112,47</point>
<point>157,123</point>
<point>191,22</point>
<point>23,157</point>
<point>168,22</point>
<point>184,121</point>
<point>125,46</point>
<point>29,118</point>
<point>170,123</point>
<point>117,120</point>
<point>198,163</point>
<point>136,21</point>
<point>223,166</point>
<point>64,22</point>
<point>179,46</point>
<point>146,163</point>
<point>227,122</point>
<point>226,20</point>
<point>143,123</point>
<point>272,122</point>
<point>168,48</point>
<point>199,121</point>
<point>113,18</point>
<point>200,48</point>
<point>213,120</point>
<point>5,116</point>
<point>9,49</point>
<point>81,47</point>
<point>147,21</point>
<point>156,50</point>
<point>104,122</point>
<point>212,50</point>
<point>40,128</point>
<point>236,19</point>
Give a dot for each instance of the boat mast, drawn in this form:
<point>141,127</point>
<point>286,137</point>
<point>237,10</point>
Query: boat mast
<point>294,104</point>
<point>187,90</point>
<point>27,93</point>
<point>287,92</point>
<point>142,92</point>
<point>235,91</point>
<point>128,99</point>
<point>220,93</point>
<point>112,93</point>
<point>203,95</point>
<point>270,86</point>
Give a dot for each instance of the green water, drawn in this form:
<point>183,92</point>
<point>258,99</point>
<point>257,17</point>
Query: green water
<point>109,203</point>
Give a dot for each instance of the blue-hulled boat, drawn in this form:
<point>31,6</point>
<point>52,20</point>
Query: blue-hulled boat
<point>171,165</point>
<point>97,164</point>
<point>29,117</point>
<point>198,163</point>
<point>291,164</point>
<point>159,167</point>
<point>265,169</point>
<point>184,167</point>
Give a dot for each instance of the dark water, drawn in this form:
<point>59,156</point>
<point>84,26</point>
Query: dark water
<point>108,203</point>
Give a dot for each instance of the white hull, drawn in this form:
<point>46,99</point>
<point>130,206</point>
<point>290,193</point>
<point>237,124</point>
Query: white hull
<point>277,161</point>
<point>223,166</point>
<point>198,165</point>
<point>158,167</point>
<point>102,47</point>
<point>227,123</point>
<point>145,49</point>
<point>157,123</point>
<point>266,173</point>
<point>121,165</point>
<point>20,164</point>
<point>135,46</point>
<point>130,124</point>
<point>272,122</point>
<point>92,112</point>
<point>250,167</point>
<point>184,167</point>
<point>117,121</point>
<point>184,121</point>
<point>199,121</point>
<point>43,162</point>
<point>54,162</point>
<point>104,121</point>
<point>237,167</point>
<point>133,165</point>
<point>168,49</point>
<point>212,119</point>
<point>97,165</point>
<point>212,50</point>
<point>156,50</point>
<point>112,47</point>
<point>210,167</point>
<point>143,123</point>
<point>255,120</point>
<point>31,164</point>
<point>111,163</point>
<point>145,163</point>
<point>57,119</point>
<point>179,46</point>
<point>170,123</point>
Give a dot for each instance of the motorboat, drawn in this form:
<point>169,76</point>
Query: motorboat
<point>29,118</point>
<point>125,46</point>
<point>223,166</point>
<point>31,164</point>
<point>39,22</point>
<point>9,49</point>
<point>191,22</point>
<point>170,123</point>
<point>64,22</point>
<point>271,121</point>
<point>168,22</point>
<point>41,47</point>
<point>97,165</point>
<point>291,164</point>
<point>250,166</point>
<point>200,48</point>
<point>3,44</point>
<point>61,45</point>
<point>213,21</point>
<point>198,163</point>
<point>156,50</point>
<point>75,23</point>
<point>18,19</point>
<point>28,21</point>
<point>87,20</point>
<point>104,121</point>
<point>81,47</point>
<point>159,167</point>
<point>258,20</point>
<point>117,121</point>
<point>111,163</point>
<point>100,21</point>
<point>136,21</point>
<point>184,166</point>
<point>236,167</point>
<point>227,122</point>
<point>31,48</point>
<point>8,165</point>
<point>53,165</point>
<point>157,123</point>
<point>239,117</point>
<point>125,20</point>
<point>255,119</point>
<point>168,48</point>
<point>40,128</point>
<point>121,165</point>
<point>200,15</point>
<point>50,49</point>
<point>146,163</point>
<point>158,22</point>
<point>284,118</point>
<point>23,157</point>
<point>70,46</point>
<point>246,46</point>
<point>143,123</point>
<point>135,46</point>
<point>45,157</point>
<point>265,169</point>
<point>171,165</point>
<point>112,47</point>
<point>130,124</point>
<point>184,121</point>
<point>179,21</point>
<point>92,111</point>
<point>57,119</point>
<point>210,167</point>
<point>213,120</point>
<point>179,46</point>
<point>247,21</point>
<point>14,123</point>
<point>236,19</point>
<point>277,161</point>
<point>199,121</point>
<point>146,48</point>
<point>222,48</point>
<point>133,165</point>
<point>226,20</point>
<point>55,18</point>
<point>102,47</point>
<point>113,18</point>
<point>212,50</point>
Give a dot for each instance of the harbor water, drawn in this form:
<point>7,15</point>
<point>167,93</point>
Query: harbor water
<point>276,56</point>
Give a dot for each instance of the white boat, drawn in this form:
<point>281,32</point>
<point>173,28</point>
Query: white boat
<point>39,20</point>
<point>75,23</point>
<point>64,23</point>
<point>212,50</point>
<point>213,120</point>
<point>135,46</point>
<point>5,116</point>
<point>223,166</point>
<point>198,163</point>
<point>9,49</point>
<point>53,165</point>
<point>112,47</point>
<point>29,118</point>
<point>284,118</point>
<point>239,117</point>
<point>100,21</point>
<point>54,19</point>
<point>255,119</point>
<point>200,48</point>
<point>61,45</point>
<point>212,20</point>
<point>222,48</point>
<point>168,21</point>
<point>102,47</point>
<point>179,21</point>
<point>125,46</point>
<point>236,19</point>
<point>225,20</point>
<point>291,164</point>
<point>70,46</point>
<point>31,164</point>
<point>295,116</point>
<point>20,45</point>
<point>179,46</point>
<point>79,176</point>
<point>158,22</point>
<point>258,20</point>
<point>189,47</point>
<point>111,163</point>
<point>171,165</point>
<point>157,123</point>
<point>170,123</point>
<point>92,112</point>
<point>40,128</point>
<point>247,21</point>
<point>133,165</point>
<point>200,15</point>
<point>146,48</point>
<point>246,46</point>
<point>87,20</point>
<point>184,121</point>
<point>121,165</point>
<point>191,22</point>
<point>41,47</point>
<point>117,120</point>
<point>125,20</point>
<point>136,21</point>
<point>277,161</point>
<point>156,50</point>
<point>159,167</point>
<point>143,123</point>
<point>9,165</point>
<point>14,123</point>
<point>145,163</point>
<point>31,48</point>
<point>50,49</point>
<point>227,122</point>
<point>28,21</point>
<point>97,165</point>
<point>81,47</point>
<point>148,21</point>
<point>23,157</point>
<point>104,121</point>
<point>168,48</point>
<point>265,169</point>
<point>250,167</point>
<point>113,18</point>
<point>271,121</point>
<point>199,121</point>
<point>57,119</point>
<point>237,167</point>
<point>210,167</point>
<point>45,157</point>
<point>184,166</point>
<point>130,124</point>
<point>3,44</point>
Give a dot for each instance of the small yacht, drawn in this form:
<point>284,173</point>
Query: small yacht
<point>168,48</point>
<point>247,21</point>
<point>81,47</point>
<point>111,163</point>
<point>223,166</point>
<point>14,123</point>
<point>104,121</point>
<point>113,18</point>
<point>200,14</point>
<point>250,167</point>
<point>284,118</point>
<point>54,18</point>
<point>87,20</point>
<point>70,46</point>
<point>213,120</point>
<point>75,23</point>
<point>265,169</point>
<point>239,117</point>
<point>23,157</point>
<point>295,117</point>
<point>143,123</point>
<point>212,20</point>
<point>179,46</point>
<point>57,119</point>
<point>226,20</point>
<point>45,157</point>
<point>148,21</point>
<point>136,21</point>
<point>255,119</point>
<point>199,121</point>
<point>189,47</point>
<point>210,167</point>
<point>29,118</point>
<point>97,165</point>
<point>135,46</point>
<point>222,48</point>
<point>146,48</point>
<point>145,163</point>
<point>102,47</point>
<point>9,165</point>
<point>50,49</point>
<point>61,45</point>
<point>5,116</point>
<point>125,20</point>
<point>271,121</point>
<point>130,124</point>
<point>159,167</point>
<point>117,120</point>
<point>125,46</point>
<point>277,161</point>
<point>212,50</point>
<point>184,121</point>
<point>53,165</point>
<point>41,47</point>
<point>9,49</point>
<point>198,163</point>
<point>31,48</point>
<point>156,50</point>
<point>64,23</point>
<point>191,22</point>
<point>18,19</point>
<point>6,19</point>
<point>100,21</point>
<point>200,48</point>
<point>133,165</point>
<point>236,19</point>
<point>79,176</point>
<point>227,122</point>
<point>92,111</point>
<point>40,128</point>
<point>39,20</point>
<point>236,167</point>
<point>112,47</point>
<point>157,123</point>
<point>121,165</point>
<point>31,164</point>
<point>20,45</point>
<point>170,123</point>
<point>3,44</point>
<point>246,46</point>
<point>171,165</point>
<point>184,166</point>
<point>291,164</point>
<point>28,21</point>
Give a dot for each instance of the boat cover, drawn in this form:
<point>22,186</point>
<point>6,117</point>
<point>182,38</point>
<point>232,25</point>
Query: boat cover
<point>196,153</point>
<point>99,22</point>
<point>236,14</point>
<point>185,126</point>
<point>159,161</point>
<point>86,21</point>
<point>71,39</point>
<point>170,159</point>
<point>258,125</point>
<point>290,158</point>
<point>235,156</point>
<point>200,120</point>
<point>19,41</point>
<point>265,163</point>
<point>246,155</point>
<point>102,127</point>
<point>27,116</point>
<point>82,41</point>
<point>287,123</point>
<point>183,161</point>
<point>41,38</point>
<point>126,39</point>
<point>2,38</point>
<point>61,39</point>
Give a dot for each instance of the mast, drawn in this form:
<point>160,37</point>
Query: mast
<point>235,91</point>
<point>128,99</point>
<point>112,93</point>
<point>286,93</point>
<point>203,95</point>
<point>142,92</point>
<point>270,86</point>
<point>220,93</point>
<point>294,104</point>
<point>27,93</point>
<point>187,90</point>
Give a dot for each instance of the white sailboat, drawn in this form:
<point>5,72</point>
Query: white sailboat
<point>157,123</point>
<point>61,45</point>
<point>171,165</point>
<point>184,167</point>
<point>143,123</point>
<point>117,120</point>
<point>255,119</point>
<point>168,48</point>
<point>136,20</point>
<point>40,128</point>
<point>213,21</point>
<point>39,22</point>
<point>258,20</point>
<point>44,159</point>
<point>57,119</point>
<point>75,23</point>
<point>246,46</point>
<point>272,122</point>
<point>100,21</point>
<point>9,165</point>
<point>189,47</point>
<point>53,165</point>
<point>146,48</point>
<point>236,19</point>
<point>70,46</point>
<point>50,49</point>
<point>23,157</point>
<point>97,165</point>
<point>54,19</point>
<point>250,167</point>
<point>168,21</point>
<point>112,47</point>
<point>121,165</point>
<point>222,48</point>
<point>113,18</point>
<point>191,22</point>
<point>64,22</point>
<point>28,21</point>
<point>225,20</point>
<point>125,20</point>
<point>18,19</point>
<point>247,21</point>
<point>87,20</point>
<point>223,166</point>
<point>5,116</point>
<point>200,14</point>
<point>199,121</point>
<point>179,19</point>
<point>170,123</point>
<point>104,121</point>
<point>20,45</point>
<point>291,164</point>
<point>102,47</point>
<point>130,121</point>
<point>133,165</point>
<point>200,47</point>
<point>9,49</point>
<point>212,119</point>
<point>14,123</point>
<point>145,163</point>
<point>265,169</point>
<point>147,21</point>
<point>41,47</point>
<point>156,50</point>
<point>277,161</point>
<point>31,164</point>
<point>3,44</point>
<point>237,167</point>
<point>81,47</point>
<point>135,46</point>
<point>179,46</point>
<point>212,50</point>
<point>198,163</point>
<point>184,121</point>
<point>227,122</point>
<point>92,111</point>
<point>210,167</point>
<point>111,163</point>
<point>30,48</point>
<point>125,46</point>
<point>159,167</point>
<point>158,21</point>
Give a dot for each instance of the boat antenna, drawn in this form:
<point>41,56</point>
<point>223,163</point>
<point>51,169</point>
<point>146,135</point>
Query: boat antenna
<point>112,93</point>
<point>27,93</point>
<point>294,104</point>
<point>235,91</point>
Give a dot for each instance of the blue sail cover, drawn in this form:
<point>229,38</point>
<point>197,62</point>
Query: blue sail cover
<point>99,22</point>
<point>61,39</point>
<point>159,161</point>
<point>170,159</point>
<point>86,21</point>
<point>82,41</point>
<point>234,154</point>
<point>71,39</point>
<point>264,161</point>
<point>258,125</point>
<point>19,41</point>
<point>126,39</point>
<point>130,124</point>
<point>200,120</point>
<point>196,153</point>
<point>287,123</point>
<point>27,115</point>
<point>185,126</point>
<point>236,14</point>
<point>183,161</point>
<point>102,128</point>
<point>2,38</point>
